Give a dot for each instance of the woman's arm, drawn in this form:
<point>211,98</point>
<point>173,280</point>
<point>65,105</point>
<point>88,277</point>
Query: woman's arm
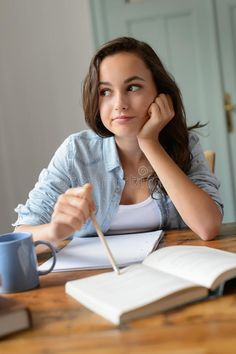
<point>71,211</point>
<point>195,206</point>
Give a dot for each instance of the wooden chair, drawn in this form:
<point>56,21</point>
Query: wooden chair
<point>210,157</point>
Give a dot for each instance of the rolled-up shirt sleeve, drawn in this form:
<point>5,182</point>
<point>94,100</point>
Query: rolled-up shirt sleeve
<point>200,173</point>
<point>53,181</point>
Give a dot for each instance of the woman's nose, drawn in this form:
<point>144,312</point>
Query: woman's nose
<point>121,102</point>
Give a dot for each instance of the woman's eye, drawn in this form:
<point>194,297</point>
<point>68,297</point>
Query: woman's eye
<point>134,88</point>
<point>105,92</point>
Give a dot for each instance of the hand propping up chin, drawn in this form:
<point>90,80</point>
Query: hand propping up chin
<point>160,113</point>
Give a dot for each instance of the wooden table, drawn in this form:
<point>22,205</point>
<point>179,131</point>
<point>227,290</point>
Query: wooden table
<point>62,325</point>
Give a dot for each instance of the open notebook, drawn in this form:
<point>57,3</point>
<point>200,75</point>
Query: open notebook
<point>88,252</point>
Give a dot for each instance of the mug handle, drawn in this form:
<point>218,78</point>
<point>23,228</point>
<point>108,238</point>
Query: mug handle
<point>44,272</point>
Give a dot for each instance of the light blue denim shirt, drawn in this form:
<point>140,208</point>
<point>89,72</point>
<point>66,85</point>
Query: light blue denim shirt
<point>85,157</point>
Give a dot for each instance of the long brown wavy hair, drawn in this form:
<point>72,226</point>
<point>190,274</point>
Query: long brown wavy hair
<point>174,136</point>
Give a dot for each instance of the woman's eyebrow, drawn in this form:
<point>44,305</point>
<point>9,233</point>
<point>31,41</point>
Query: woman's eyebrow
<point>132,78</point>
<point>106,83</point>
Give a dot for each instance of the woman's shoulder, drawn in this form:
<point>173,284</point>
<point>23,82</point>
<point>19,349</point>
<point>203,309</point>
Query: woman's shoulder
<point>87,143</point>
<point>194,142</point>
<point>77,142</point>
<point>193,137</point>
<point>82,139</point>
<point>86,134</point>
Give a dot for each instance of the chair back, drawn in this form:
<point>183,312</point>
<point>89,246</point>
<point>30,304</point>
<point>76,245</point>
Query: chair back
<point>210,157</point>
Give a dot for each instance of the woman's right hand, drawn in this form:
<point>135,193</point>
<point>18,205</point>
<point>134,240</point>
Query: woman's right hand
<point>71,211</point>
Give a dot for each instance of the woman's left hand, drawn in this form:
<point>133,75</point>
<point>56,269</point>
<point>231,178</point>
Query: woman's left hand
<point>160,113</point>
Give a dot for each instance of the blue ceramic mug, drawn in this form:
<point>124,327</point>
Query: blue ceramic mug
<point>18,262</point>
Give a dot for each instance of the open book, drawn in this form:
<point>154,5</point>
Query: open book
<point>88,252</point>
<point>167,278</point>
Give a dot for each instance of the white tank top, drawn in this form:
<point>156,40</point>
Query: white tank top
<point>138,217</point>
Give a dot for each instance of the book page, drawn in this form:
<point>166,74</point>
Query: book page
<point>89,253</point>
<point>199,264</point>
<point>111,295</point>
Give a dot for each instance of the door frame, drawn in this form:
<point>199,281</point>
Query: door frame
<point>213,84</point>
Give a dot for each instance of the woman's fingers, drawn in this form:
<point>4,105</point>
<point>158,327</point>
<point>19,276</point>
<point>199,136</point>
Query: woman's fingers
<point>159,114</point>
<point>73,208</point>
<point>76,195</point>
<point>170,103</point>
<point>165,105</point>
<point>70,220</point>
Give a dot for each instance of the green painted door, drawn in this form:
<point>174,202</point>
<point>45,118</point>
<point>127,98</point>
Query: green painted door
<point>187,36</point>
<point>226,21</point>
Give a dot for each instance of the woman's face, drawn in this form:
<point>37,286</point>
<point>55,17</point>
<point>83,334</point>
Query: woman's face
<point>126,90</point>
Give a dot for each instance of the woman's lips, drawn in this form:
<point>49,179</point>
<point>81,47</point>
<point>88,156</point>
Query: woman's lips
<point>122,119</point>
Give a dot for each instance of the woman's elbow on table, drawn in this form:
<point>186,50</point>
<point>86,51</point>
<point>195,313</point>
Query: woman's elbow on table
<point>210,230</point>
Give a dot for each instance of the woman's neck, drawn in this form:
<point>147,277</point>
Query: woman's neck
<point>131,156</point>
<point>129,151</point>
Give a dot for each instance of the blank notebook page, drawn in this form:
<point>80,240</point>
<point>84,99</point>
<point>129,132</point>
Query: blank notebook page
<point>89,253</point>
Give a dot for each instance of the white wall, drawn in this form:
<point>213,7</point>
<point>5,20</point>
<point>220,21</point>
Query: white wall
<point>45,47</point>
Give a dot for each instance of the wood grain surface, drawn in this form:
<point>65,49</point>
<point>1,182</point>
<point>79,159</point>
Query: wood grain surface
<point>62,325</point>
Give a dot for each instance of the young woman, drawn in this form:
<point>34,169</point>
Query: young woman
<point>138,168</point>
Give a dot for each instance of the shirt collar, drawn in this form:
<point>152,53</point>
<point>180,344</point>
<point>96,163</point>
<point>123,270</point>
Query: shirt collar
<point>110,153</point>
